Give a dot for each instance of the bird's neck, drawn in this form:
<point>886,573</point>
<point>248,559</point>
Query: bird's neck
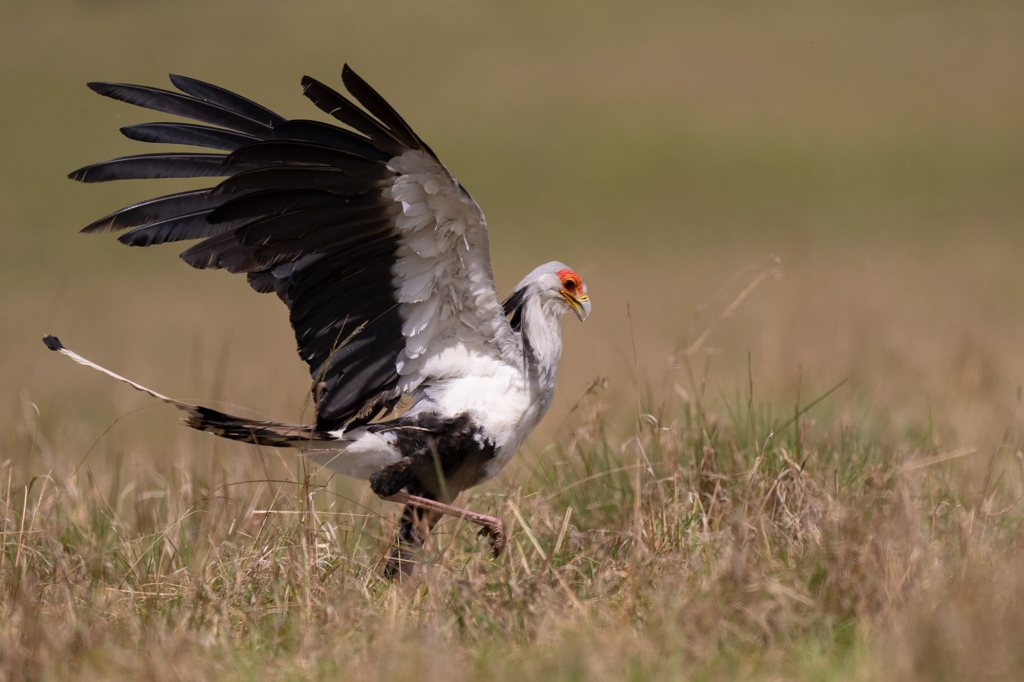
<point>542,338</point>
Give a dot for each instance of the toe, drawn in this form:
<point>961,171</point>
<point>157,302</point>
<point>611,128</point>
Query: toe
<point>497,541</point>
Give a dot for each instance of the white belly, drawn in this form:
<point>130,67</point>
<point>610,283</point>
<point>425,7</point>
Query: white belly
<point>497,396</point>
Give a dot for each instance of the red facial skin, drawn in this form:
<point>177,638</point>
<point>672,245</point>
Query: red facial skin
<point>571,282</point>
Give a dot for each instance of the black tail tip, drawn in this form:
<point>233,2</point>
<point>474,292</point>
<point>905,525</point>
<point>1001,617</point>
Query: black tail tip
<point>53,343</point>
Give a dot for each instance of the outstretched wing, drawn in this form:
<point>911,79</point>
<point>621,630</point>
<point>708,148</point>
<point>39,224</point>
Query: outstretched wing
<point>379,254</point>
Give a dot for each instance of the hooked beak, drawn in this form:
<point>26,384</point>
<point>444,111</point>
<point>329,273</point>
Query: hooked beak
<point>580,306</point>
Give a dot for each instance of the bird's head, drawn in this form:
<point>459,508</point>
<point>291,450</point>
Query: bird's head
<point>559,287</point>
<point>574,292</point>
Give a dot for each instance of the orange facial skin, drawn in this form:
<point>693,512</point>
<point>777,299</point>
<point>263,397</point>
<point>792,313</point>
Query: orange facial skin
<point>574,291</point>
<point>572,283</point>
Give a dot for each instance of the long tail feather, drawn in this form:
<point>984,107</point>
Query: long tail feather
<point>213,421</point>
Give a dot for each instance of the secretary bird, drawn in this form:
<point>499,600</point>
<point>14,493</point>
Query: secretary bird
<point>382,258</point>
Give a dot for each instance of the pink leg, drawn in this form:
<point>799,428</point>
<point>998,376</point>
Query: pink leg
<point>493,527</point>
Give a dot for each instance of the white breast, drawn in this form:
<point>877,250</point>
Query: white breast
<point>498,396</point>
<point>494,393</point>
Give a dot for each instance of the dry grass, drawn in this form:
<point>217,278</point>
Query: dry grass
<point>711,542</point>
<point>680,531</point>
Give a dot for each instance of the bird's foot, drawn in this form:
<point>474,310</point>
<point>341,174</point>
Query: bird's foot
<point>492,526</point>
<point>494,529</point>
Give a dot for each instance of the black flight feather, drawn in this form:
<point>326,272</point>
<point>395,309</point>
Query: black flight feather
<point>379,107</point>
<point>341,354</point>
<point>189,134</point>
<point>319,344</point>
<point>280,152</point>
<point>273,202</point>
<point>308,301</point>
<point>344,212</point>
<point>328,135</point>
<point>189,226</point>
<point>359,285</point>
<point>338,222</point>
<point>335,104</point>
<point>343,400</point>
<point>320,348</point>
<point>240,259</point>
<point>182,105</point>
<point>206,254</point>
<point>358,371</point>
<point>298,177</point>
<point>145,166</point>
<point>262,282</point>
<point>319,234</point>
<point>226,99</point>
<point>374,311</point>
<point>313,291</point>
<point>156,209</point>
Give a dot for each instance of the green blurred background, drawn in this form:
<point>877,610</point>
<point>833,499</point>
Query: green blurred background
<point>669,151</point>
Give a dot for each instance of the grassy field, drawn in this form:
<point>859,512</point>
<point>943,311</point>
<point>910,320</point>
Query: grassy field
<point>832,193</point>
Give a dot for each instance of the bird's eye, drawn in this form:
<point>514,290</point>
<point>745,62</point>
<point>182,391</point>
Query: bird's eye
<point>570,284</point>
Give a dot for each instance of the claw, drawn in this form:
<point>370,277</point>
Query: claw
<point>495,533</point>
<point>492,527</point>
